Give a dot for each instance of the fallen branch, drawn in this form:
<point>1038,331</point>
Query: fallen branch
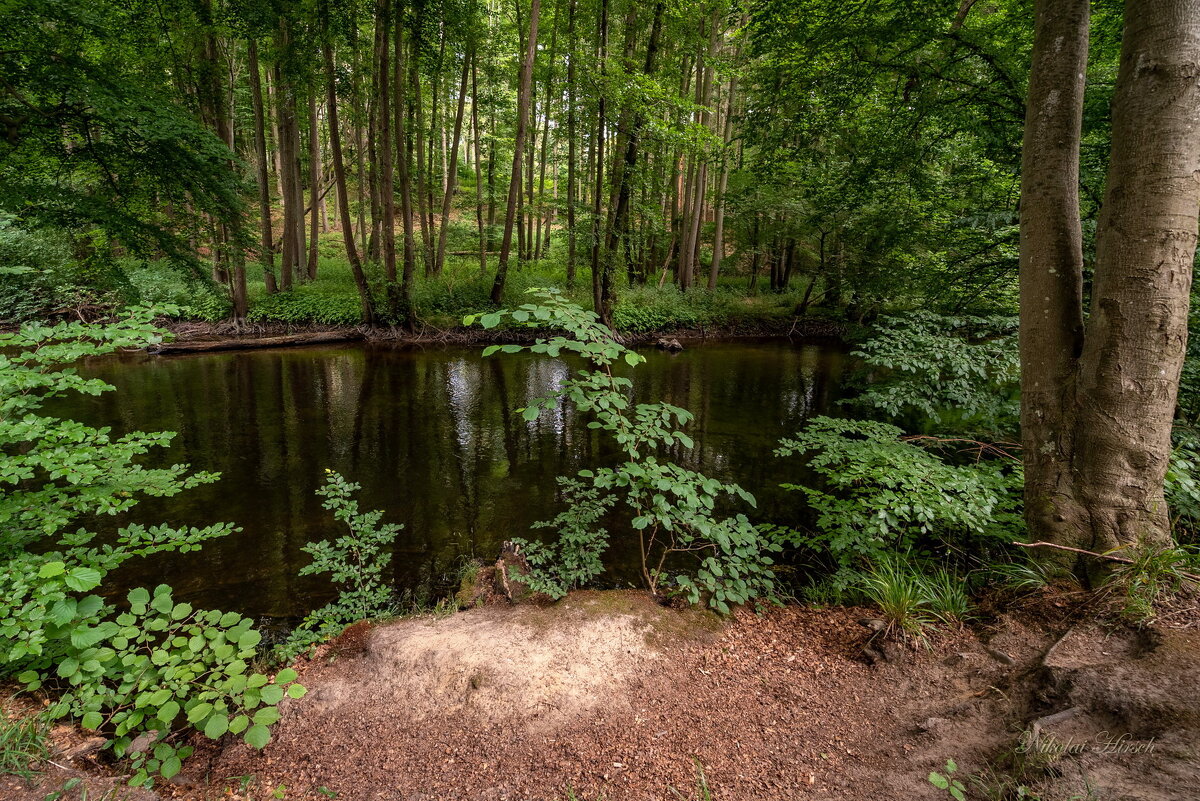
<point>289,340</point>
<point>1110,557</point>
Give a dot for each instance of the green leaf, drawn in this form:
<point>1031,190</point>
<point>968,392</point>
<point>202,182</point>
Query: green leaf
<point>296,691</point>
<point>168,711</point>
<point>92,721</point>
<point>199,712</point>
<point>491,320</point>
<point>938,780</point>
<point>284,676</point>
<point>257,736</point>
<point>82,579</point>
<point>249,639</point>
<point>216,726</point>
<point>51,569</point>
<point>272,694</point>
<point>170,767</point>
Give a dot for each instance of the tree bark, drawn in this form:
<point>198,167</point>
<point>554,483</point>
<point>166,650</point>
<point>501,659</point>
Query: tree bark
<point>404,160</point>
<point>314,185</point>
<point>339,174</point>
<point>514,186</point>
<point>266,252</point>
<point>452,168</point>
<point>1097,401</point>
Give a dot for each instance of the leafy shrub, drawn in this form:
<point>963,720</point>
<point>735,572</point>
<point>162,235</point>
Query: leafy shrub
<point>573,559</point>
<point>451,295</point>
<point>951,373</point>
<point>670,508</point>
<point>162,665</point>
<point>883,494</point>
<point>355,561</point>
<point>159,283</point>
<point>309,303</point>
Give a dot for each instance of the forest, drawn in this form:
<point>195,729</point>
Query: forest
<point>565,400</point>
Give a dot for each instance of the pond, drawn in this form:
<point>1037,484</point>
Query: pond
<point>431,436</point>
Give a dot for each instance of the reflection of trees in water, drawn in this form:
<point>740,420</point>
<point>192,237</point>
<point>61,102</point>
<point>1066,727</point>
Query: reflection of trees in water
<point>432,438</point>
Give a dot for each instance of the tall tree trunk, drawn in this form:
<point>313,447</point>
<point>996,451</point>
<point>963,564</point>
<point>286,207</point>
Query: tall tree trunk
<point>598,200</point>
<point>384,147</point>
<point>314,182</point>
<point>1136,335</point>
<point>266,253</point>
<point>478,175</point>
<point>722,187</point>
<point>1051,266</point>
<point>514,186</point>
<point>404,160</point>
<point>339,173</point>
<point>541,192</point>
<point>624,177</point>
<point>452,167</point>
<point>423,177</point>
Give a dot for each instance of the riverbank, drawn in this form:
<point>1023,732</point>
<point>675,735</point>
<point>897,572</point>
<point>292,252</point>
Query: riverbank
<point>608,695</point>
<point>225,335</point>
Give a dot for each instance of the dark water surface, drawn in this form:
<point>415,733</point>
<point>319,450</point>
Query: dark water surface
<point>430,435</point>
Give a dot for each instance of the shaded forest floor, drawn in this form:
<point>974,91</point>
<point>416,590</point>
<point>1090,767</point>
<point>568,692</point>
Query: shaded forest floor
<point>609,696</point>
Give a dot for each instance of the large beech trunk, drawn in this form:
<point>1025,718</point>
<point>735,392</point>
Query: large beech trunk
<point>1098,398</point>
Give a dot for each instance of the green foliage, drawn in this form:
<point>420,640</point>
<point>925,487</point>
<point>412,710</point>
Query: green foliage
<point>159,667</point>
<point>951,373</point>
<point>159,283</point>
<point>1156,578</point>
<point>912,596</point>
<point>896,588</point>
<point>355,561</point>
<point>95,137</point>
<point>24,744</point>
<point>947,782</point>
<point>572,560</point>
<point>883,494</point>
<point>309,303</point>
<point>1182,484</point>
<point>647,309</point>
<point>1022,575</point>
<point>672,509</point>
<point>31,265</point>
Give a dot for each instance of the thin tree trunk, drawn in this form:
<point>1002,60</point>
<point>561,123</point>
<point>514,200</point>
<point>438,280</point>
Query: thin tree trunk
<point>384,148</point>
<point>422,171</point>
<point>266,254</point>
<point>597,202</point>
<point>571,124</point>
<point>314,181</point>
<point>514,186</point>
<point>339,173</point>
<point>478,175</point>
<point>623,178</point>
<point>452,168</point>
<point>404,160</point>
<point>722,187</point>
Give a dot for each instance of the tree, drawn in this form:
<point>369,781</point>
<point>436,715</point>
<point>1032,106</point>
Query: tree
<point>1098,395</point>
<point>514,188</point>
